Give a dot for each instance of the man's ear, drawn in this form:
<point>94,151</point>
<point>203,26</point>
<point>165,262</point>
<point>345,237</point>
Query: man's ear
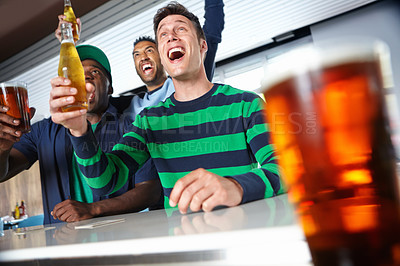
<point>32,111</point>
<point>203,45</point>
<point>203,48</point>
<point>110,90</point>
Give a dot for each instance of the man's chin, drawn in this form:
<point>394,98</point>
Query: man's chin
<point>147,78</point>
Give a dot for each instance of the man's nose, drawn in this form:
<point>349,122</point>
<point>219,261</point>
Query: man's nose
<point>143,57</point>
<point>172,37</point>
<point>88,75</point>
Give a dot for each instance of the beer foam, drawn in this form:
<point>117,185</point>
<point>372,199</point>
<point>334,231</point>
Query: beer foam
<point>13,83</point>
<point>66,41</point>
<point>313,57</point>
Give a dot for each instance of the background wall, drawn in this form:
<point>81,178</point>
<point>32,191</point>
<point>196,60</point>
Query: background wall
<point>26,187</point>
<point>380,20</point>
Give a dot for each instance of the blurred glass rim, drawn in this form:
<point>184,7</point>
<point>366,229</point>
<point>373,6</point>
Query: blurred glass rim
<point>14,83</point>
<point>325,54</point>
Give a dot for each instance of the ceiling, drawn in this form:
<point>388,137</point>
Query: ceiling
<point>114,25</point>
<point>29,21</point>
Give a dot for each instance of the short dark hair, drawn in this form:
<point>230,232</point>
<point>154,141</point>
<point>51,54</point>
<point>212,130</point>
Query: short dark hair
<point>143,39</point>
<point>174,8</point>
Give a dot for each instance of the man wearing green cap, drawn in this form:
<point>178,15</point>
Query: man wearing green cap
<point>66,197</point>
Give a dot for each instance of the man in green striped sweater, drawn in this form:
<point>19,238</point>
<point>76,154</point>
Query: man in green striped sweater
<point>209,142</point>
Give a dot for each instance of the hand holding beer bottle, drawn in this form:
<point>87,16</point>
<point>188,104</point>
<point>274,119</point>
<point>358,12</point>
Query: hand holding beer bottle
<point>70,67</point>
<point>8,134</point>
<point>69,17</point>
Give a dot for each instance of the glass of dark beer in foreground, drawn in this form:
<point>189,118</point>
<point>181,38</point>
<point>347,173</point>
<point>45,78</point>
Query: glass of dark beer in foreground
<point>326,111</point>
<point>14,94</point>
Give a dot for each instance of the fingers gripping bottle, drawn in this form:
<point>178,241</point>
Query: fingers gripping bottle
<point>70,17</point>
<point>70,67</point>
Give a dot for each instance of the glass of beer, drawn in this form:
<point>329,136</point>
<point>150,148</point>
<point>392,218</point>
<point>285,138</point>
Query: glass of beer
<point>326,112</point>
<point>14,94</point>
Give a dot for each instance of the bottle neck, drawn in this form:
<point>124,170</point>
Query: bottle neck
<point>67,2</point>
<point>66,33</point>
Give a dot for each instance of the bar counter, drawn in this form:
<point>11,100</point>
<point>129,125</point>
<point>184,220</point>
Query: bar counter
<point>263,232</point>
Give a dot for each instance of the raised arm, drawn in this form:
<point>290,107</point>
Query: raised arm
<point>106,173</point>
<point>213,26</point>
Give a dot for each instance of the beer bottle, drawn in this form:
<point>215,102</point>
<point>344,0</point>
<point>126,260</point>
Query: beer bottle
<point>70,17</point>
<point>22,209</point>
<point>70,67</point>
<point>16,211</point>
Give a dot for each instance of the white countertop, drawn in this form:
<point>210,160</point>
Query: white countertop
<point>261,232</point>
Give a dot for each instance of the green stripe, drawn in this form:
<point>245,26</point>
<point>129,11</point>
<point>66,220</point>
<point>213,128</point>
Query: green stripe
<point>168,180</point>
<point>209,115</point>
<point>123,173</point>
<point>228,90</point>
<point>236,170</point>
<point>90,161</point>
<point>276,169</point>
<point>273,168</point>
<point>275,157</point>
<point>79,189</point>
<point>263,153</point>
<point>134,135</point>
<point>102,180</point>
<point>255,131</point>
<point>139,156</point>
<point>167,104</point>
<point>216,144</point>
<point>269,191</point>
<point>255,106</point>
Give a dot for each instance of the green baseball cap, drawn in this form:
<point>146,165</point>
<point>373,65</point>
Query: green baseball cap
<point>86,51</point>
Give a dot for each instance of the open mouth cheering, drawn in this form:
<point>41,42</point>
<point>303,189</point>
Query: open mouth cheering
<point>176,53</point>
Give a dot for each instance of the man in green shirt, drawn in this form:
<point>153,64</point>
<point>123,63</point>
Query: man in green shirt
<point>206,140</point>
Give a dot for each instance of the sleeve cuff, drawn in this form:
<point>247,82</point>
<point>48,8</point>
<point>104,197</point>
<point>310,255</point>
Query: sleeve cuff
<point>86,145</point>
<point>252,185</point>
